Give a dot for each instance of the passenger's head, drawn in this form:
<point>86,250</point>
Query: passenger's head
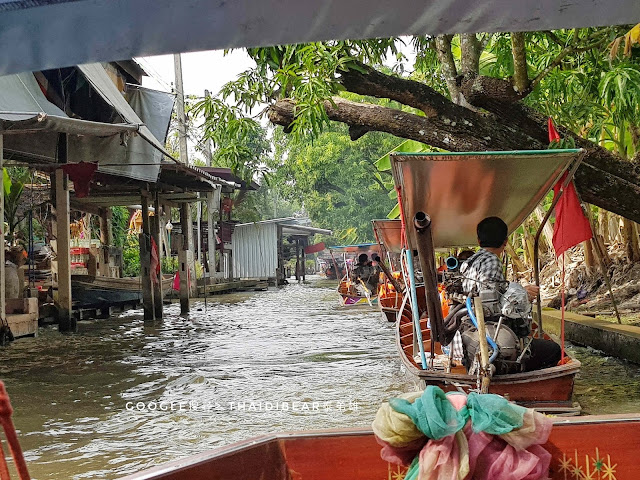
<point>363,258</point>
<point>465,255</point>
<point>492,232</point>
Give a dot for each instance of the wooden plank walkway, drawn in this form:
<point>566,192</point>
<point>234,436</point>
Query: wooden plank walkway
<point>233,286</point>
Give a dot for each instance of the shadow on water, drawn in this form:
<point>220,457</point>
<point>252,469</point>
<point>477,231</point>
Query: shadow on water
<point>118,397</point>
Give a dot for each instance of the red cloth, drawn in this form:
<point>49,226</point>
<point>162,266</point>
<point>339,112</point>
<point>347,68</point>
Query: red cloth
<point>571,227</point>
<point>155,262</point>
<point>553,133</point>
<point>81,175</point>
<point>176,280</point>
<point>318,247</point>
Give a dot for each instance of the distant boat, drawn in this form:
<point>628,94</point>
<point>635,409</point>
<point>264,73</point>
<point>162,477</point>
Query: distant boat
<point>388,233</point>
<point>355,293</point>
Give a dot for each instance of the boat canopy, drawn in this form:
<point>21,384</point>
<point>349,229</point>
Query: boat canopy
<point>458,190</point>
<point>360,248</point>
<point>389,234</point>
<point>40,34</point>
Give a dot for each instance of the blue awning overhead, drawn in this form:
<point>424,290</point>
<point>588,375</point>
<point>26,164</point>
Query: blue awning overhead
<point>41,34</point>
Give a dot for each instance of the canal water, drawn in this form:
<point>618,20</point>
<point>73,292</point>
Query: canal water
<point>119,397</point>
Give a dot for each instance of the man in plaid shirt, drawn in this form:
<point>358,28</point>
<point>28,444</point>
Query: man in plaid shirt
<point>484,271</point>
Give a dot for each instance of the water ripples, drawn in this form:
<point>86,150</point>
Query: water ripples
<point>248,364</point>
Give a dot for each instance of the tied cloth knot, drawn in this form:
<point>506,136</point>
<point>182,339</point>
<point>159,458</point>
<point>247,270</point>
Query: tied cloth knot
<point>81,174</point>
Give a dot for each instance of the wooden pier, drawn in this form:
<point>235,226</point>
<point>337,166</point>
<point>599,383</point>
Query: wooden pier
<point>233,286</point>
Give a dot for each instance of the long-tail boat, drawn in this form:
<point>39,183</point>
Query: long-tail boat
<point>595,447</point>
<point>390,296</point>
<point>442,198</point>
<point>354,292</point>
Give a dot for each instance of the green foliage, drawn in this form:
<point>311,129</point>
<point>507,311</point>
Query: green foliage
<point>336,180</point>
<point>131,256</point>
<point>13,189</point>
<point>169,265</point>
<point>120,225</point>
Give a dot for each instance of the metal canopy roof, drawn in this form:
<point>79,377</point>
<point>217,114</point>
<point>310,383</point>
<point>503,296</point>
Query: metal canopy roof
<point>291,226</point>
<point>458,190</point>
<point>40,34</point>
<point>389,233</point>
<point>361,248</point>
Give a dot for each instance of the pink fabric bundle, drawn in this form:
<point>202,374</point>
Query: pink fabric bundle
<point>535,430</point>
<point>403,455</point>
<point>500,461</point>
<point>516,455</point>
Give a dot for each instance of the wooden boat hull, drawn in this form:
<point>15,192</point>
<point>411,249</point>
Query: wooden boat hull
<point>357,301</point>
<point>349,297</point>
<point>389,304</point>
<point>599,447</point>
<point>101,292</point>
<point>549,389</point>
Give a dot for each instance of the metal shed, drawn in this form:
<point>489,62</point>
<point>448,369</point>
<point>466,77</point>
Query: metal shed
<point>256,245</point>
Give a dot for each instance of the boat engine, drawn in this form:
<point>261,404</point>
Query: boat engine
<point>509,347</point>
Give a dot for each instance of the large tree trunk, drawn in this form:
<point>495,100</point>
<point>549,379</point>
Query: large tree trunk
<point>604,179</point>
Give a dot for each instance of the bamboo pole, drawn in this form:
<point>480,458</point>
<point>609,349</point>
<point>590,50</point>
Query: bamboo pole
<point>485,367</point>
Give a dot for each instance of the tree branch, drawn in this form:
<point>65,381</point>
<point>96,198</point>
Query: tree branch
<point>520,75</point>
<point>603,180</point>
<point>470,54</point>
<point>448,65</point>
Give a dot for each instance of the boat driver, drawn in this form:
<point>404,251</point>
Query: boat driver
<point>484,270</point>
<point>365,271</point>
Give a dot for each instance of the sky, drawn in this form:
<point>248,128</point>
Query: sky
<point>200,71</point>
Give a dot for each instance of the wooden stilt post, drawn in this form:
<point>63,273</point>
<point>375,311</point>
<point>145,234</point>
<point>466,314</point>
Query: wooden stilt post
<point>66,321</point>
<point>106,239</point>
<point>3,300</point>
<point>298,260</point>
<point>145,261</point>
<point>156,232</point>
<point>211,235</point>
<point>183,258</point>
<point>304,260</point>
<point>280,273</point>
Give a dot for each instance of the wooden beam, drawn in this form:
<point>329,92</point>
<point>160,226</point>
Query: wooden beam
<point>145,262</point>
<point>156,232</point>
<point>66,322</point>
<point>183,257</point>
<point>211,236</point>
<point>3,296</point>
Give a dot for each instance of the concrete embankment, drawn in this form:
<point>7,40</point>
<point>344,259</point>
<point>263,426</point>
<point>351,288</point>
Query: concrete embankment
<point>622,341</point>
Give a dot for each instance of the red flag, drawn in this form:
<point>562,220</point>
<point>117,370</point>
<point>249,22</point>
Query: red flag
<point>318,247</point>
<point>553,133</point>
<point>571,227</point>
<point>176,281</point>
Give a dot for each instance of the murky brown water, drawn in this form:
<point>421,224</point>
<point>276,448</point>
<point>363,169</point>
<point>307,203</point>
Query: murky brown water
<point>118,397</point>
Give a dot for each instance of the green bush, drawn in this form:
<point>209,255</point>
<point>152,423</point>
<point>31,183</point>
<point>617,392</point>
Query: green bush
<point>169,264</point>
<point>131,256</point>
